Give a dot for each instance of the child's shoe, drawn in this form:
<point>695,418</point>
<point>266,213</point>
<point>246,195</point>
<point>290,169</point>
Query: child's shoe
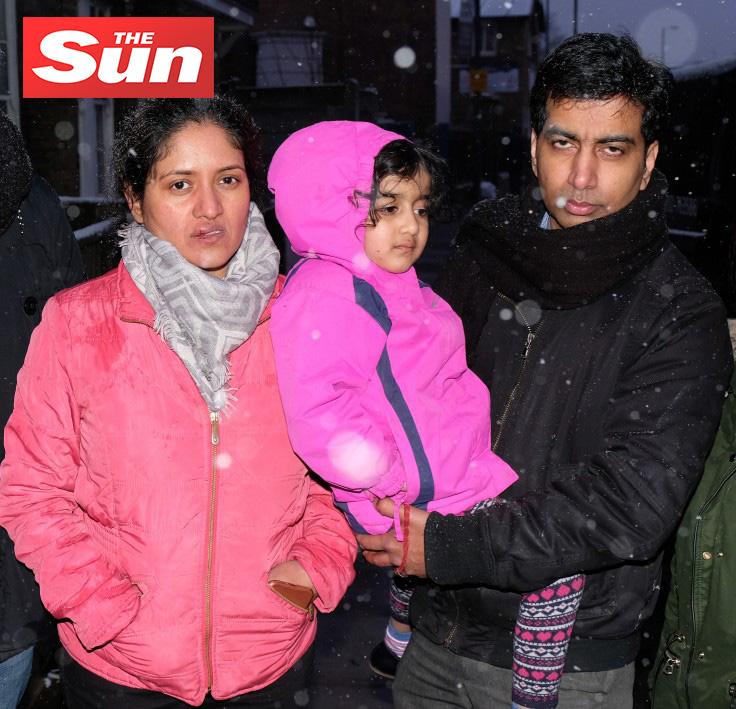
<point>383,662</point>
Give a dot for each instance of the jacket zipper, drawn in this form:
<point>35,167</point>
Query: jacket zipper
<point>215,441</point>
<point>531,335</point>
<point>696,534</point>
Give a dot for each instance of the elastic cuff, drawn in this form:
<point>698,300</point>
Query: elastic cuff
<point>446,565</point>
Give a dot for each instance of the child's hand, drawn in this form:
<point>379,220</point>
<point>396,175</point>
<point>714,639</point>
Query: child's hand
<point>291,572</point>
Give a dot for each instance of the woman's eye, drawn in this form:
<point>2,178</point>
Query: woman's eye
<point>230,180</point>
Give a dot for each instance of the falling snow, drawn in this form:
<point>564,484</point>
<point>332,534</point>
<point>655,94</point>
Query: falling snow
<point>405,57</point>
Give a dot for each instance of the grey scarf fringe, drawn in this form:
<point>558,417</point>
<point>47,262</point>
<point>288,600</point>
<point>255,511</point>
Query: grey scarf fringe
<point>202,317</point>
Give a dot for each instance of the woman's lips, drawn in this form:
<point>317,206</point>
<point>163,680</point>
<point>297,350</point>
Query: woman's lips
<point>208,234</point>
<point>579,209</point>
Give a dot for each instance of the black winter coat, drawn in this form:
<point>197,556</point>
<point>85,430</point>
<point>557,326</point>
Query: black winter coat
<point>37,258</point>
<point>606,411</point>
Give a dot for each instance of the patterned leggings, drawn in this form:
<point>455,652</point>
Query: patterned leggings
<point>541,636</point>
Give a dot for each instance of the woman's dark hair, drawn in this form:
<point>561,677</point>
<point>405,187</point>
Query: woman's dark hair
<point>405,160</point>
<point>145,131</point>
<point>599,66</point>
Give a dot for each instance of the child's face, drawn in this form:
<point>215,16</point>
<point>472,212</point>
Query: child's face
<point>402,227</point>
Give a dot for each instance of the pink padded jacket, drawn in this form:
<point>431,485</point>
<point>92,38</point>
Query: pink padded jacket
<point>378,396</point>
<point>151,524</point>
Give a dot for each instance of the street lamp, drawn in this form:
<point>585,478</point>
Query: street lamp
<point>662,43</point>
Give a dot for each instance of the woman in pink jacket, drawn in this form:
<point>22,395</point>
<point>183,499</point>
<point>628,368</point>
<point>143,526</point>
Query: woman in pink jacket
<point>148,479</point>
<point>378,396</point>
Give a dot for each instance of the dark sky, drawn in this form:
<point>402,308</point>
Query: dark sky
<point>689,35</point>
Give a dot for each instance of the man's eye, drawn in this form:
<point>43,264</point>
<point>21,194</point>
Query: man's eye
<point>179,185</point>
<point>561,143</point>
<point>614,150</point>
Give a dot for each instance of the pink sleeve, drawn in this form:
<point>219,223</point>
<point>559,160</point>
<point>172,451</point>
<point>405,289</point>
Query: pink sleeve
<point>327,350</point>
<point>37,504</point>
<point>327,549</point>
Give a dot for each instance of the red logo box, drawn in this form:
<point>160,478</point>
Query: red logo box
<point>118,57</point>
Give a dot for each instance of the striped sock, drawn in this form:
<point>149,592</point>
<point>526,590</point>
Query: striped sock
<point>396,640</point>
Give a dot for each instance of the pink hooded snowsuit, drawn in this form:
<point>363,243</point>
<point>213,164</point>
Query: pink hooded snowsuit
<point>371,365</point>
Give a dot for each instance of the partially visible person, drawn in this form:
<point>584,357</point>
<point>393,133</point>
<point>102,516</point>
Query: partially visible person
<point>371,363</point>
<point>608,356</point>
<point>38,257</point>
<point>696,662</point>
<point>148,480</point>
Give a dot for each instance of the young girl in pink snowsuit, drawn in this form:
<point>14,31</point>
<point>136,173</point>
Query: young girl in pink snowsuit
<point>371,362</point>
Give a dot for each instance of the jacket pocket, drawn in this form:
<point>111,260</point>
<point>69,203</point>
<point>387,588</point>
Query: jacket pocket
<point>599,597</point>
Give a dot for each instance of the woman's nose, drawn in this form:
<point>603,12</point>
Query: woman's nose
<point>208,204</point>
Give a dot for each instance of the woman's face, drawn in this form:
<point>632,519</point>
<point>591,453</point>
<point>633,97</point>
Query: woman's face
<point>197,197</point>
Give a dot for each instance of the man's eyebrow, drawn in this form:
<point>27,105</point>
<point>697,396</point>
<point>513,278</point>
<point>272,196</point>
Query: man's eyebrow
<point>554,130</point>
<point>623,138</point>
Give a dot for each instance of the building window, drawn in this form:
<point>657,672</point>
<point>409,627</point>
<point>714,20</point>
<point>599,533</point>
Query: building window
<point>95,144</point>
<point>9,93</point>
<point>488,39</point>
<point>289,59</point>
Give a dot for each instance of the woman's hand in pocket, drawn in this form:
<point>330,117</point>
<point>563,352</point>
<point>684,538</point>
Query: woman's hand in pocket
<point>291,572</point>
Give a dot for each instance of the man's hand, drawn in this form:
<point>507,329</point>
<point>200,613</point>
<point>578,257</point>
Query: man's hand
<point>386,550</point>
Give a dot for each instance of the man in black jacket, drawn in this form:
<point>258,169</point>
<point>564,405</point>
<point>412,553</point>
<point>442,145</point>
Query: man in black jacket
<point>38,256</point>
<point>607,357</point>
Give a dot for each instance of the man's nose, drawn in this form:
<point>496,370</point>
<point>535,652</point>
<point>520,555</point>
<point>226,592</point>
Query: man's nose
<point>584,171</point>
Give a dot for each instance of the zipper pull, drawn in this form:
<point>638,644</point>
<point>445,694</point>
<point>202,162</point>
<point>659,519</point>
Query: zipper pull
<point>215,422</point>
<point>529,340</point>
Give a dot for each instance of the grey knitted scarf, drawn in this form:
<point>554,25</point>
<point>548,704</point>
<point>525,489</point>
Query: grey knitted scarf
<point>202,317</point>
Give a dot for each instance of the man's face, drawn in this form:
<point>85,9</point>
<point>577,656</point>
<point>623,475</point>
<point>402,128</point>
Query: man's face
<point>590,158</point>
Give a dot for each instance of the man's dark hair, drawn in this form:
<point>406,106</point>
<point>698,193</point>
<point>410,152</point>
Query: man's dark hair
<point>598,66</point>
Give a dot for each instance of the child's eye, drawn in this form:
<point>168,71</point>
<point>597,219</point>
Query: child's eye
<point>421,211</point>
<point>388,209</point>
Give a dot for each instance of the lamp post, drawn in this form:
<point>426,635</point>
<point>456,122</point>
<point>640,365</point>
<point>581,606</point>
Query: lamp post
<point>662,40</point>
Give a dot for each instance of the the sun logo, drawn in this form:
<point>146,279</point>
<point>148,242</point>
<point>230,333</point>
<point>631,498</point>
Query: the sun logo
<point>118,57</point>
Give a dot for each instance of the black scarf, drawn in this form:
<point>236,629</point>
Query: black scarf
<point>565,268</point>
<point>15,171</point>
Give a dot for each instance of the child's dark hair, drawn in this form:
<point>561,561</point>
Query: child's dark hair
<point>145,131</point>
<point>405,160</point>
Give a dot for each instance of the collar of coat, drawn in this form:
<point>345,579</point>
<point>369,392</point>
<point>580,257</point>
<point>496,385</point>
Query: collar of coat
<point>565,268</point>
<point>132,305</point>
